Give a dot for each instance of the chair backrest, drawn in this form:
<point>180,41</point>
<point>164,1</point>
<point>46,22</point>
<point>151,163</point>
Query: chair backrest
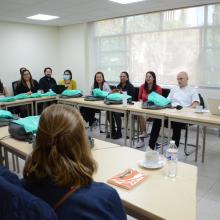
<point>202,103</point>
<point>165,92</point>
<point>14,86</point>
<point>136,91</point>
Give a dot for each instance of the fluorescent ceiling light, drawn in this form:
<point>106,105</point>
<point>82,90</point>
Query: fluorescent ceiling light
<point>43,17</point>
<point>126,1</point>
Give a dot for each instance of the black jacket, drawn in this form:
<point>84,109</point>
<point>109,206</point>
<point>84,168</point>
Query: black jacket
<point>24,89</point>
<point>129,88</point>
<point>46,83</point>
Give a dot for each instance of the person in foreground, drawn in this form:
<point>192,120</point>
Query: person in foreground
<point>183,95</point>
<point>62,163</point>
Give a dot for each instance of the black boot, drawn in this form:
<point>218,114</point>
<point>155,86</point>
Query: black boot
<point>117,135</point>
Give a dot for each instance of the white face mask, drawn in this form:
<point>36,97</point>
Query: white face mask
<point>66,77</point>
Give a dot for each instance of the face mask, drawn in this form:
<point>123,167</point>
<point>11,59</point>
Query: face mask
<point>66,77</point>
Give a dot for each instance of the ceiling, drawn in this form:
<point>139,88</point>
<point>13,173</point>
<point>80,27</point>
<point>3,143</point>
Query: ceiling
<point>79,11</point>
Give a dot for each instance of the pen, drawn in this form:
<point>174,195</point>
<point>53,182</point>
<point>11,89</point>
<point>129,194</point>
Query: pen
<point>128,171</point>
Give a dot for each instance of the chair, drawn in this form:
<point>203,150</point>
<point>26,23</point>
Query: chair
<point>14,86</point>
<point>202,103</point>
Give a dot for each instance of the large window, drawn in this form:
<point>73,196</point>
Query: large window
<point>165,42</point>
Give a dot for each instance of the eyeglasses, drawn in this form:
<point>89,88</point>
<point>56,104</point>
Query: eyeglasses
<point>180,78</point>
<point>149,77</point>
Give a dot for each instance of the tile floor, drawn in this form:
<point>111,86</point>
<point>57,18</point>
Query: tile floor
<point>208,188</point>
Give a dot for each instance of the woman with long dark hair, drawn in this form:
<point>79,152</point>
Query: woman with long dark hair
<point>124,85</point>
<point>27,84</point>
<point>150,85</point>
<point>99,83</point>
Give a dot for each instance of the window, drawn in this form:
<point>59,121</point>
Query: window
<point>165,42</point>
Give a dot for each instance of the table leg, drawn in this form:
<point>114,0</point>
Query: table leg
<point>162,141</point>
<point>6,158</point>
<point>110,121</point>
<point>13,162</point>
<point>203,144</point>
<point>17,163</point>
<point>131,129</point>
<point>197,143</point>
<point>126,127</point>
<point>1,157</point>
<point>36,108</point>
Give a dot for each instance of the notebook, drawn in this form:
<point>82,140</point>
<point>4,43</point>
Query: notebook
<point>214,106</point>
<point>58,89</point>
<point>128,179</point>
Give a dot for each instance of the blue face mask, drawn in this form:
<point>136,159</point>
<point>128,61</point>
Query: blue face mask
<point>66,77</point>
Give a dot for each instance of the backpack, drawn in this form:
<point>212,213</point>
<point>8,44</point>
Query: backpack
<point>7,99</point>
<point>24,128</point>
<point>116,99</point>
<point>93,98</point>
<point>99,93</point>
<point>152,106</point>
<point>71,94</point>
<point>6,117</point>
<point>158,99</point>
<point>18,132</point>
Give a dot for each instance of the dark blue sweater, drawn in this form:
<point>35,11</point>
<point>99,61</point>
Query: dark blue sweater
<point>98,201</point>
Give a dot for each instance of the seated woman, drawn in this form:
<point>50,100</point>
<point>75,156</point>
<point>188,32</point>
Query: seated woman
<point>27,84</point>
<point>61,166</point>
<point>100,83</point>
<point>124,85</point>
<point>67,81</point>
<point>149,86</point>
<point>3,90</point>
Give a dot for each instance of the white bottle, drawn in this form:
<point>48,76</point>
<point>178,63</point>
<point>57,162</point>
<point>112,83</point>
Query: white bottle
<point>172,159</point>
<point>124,101</point>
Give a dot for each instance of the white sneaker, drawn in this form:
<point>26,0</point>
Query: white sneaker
<point>140,144</point>
<point>143,135</point>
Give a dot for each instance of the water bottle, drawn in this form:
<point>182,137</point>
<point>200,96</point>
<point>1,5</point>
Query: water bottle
<point>124,101</point>
<point>172,159</point>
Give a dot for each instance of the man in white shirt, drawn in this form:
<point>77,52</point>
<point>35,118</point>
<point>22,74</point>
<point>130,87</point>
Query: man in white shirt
<point>181,95</point>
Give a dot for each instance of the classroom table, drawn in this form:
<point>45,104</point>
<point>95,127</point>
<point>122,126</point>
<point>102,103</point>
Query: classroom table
<point>100,105</point>
<point>16,103</point>
<point>21,148</point>
<point>188,115</point>
<point>158,197</point>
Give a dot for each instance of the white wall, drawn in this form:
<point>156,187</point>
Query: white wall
<point>73,53</point>
<point>32,46</point>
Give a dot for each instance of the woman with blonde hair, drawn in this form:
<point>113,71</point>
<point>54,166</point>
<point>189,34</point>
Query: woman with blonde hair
<point>61,167</point>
